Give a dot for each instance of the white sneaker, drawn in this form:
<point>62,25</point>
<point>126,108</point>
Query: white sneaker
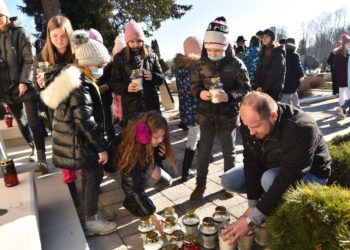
<point>95,225</point>
<point>340,112</point>
<point>105,213</point>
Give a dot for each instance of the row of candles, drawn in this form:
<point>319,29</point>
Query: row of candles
<point>208,232</point>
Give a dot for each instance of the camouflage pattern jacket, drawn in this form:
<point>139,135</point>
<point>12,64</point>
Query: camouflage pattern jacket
<point>234,76</point>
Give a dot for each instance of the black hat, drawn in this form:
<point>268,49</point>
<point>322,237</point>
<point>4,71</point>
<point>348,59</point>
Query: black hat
<point>255,41</point>
<point>271,32</point>
<point>240,39</point>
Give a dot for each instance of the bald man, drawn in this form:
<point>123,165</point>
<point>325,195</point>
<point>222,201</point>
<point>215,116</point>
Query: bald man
<point>282,145</point>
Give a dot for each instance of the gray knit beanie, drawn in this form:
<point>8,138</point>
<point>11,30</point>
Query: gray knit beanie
<point>87,51</point>
<point>3,9</point>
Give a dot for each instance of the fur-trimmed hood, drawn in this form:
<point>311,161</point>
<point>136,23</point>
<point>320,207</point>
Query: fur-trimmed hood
<point>67,79</point>
<point>339,51</point>
<point>181,60</point>
<point>290,46</point>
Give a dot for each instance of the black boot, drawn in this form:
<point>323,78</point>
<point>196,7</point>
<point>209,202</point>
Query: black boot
<point>187,162</point>
<point>74,193</point>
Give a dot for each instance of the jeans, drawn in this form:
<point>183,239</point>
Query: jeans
<point>292,99</point>
<point>227,141</point>
<point>91,180</point>
<point>234,179</point>
<point>29,120</point>
<point>193,137</point>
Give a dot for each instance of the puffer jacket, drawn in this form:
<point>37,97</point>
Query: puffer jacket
<point>78,128</point>
<point>133,181</point>
<point>140,101</point>
<point>234,76</point>
<point>294,70</point>
<point>16,64</point>
<point>341,67</point>
<point>187,103</point>
<point>271,71</point>
<point>295,145</point>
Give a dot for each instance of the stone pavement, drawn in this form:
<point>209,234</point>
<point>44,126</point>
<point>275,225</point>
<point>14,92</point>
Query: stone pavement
<point>177,195</point>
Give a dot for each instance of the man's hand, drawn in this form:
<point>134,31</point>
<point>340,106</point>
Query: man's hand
<point>103,157</point>
<point>205,95</point>
<point>259,89</point>
<point>22,89</point>
<point>236,231</point>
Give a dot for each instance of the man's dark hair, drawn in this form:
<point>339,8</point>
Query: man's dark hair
<point>290,40</point>
<point>262,103</point>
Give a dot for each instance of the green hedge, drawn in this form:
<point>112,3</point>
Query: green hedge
<point>312,217</point>
<point>339,149</point>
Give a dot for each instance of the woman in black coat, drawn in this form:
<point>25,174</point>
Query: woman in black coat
<point>271,68</point>
<point>136,56</point>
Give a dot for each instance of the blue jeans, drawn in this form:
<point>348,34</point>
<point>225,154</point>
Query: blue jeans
<point>234,179</point>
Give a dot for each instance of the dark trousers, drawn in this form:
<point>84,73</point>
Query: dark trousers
<point>91,180</point>
<point>227,140</point>
<point>29,122</point>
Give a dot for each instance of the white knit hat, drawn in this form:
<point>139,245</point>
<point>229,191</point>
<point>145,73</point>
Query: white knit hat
<point>87,51</point>
<point>216,35</point>
<point>3,9</point>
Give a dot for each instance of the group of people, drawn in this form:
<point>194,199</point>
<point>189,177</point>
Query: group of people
<point>76,93</point>
<point>282,144</point>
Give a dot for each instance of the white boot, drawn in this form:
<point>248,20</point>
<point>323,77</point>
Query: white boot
<point>105,213</point>
<point>95,225</point>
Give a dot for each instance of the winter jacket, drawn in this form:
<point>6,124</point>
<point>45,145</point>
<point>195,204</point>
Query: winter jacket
<point>16,63</point>
<point>133,183</point>
<point>294,70</point>
<point>330,62</point>
<point>271,71</point>
<point>250,60</point>
<point>234,76</point>
<point>295,144</point>
<point>106,96</point>
<point>78,128</point>
<point>187,103</point>
<point>341,67</point>
<point>141,101</point>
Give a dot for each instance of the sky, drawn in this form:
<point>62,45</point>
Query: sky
<point>244,17</point>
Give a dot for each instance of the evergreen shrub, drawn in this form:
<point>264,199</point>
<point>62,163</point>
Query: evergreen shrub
<point>312,217</point>
<point>339,149</point>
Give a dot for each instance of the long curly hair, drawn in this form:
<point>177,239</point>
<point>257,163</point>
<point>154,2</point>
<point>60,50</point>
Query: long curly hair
<point>131,153</point>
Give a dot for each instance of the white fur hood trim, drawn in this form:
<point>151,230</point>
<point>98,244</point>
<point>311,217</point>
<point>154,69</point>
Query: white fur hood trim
<point>61,87</point>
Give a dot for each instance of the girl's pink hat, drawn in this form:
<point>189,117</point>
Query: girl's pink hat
<point>119,44</point>
<point>133,31</point>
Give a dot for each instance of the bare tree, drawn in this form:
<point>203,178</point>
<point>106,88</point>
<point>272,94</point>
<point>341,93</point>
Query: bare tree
<point>281,32</point>
<point>321,34</point>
